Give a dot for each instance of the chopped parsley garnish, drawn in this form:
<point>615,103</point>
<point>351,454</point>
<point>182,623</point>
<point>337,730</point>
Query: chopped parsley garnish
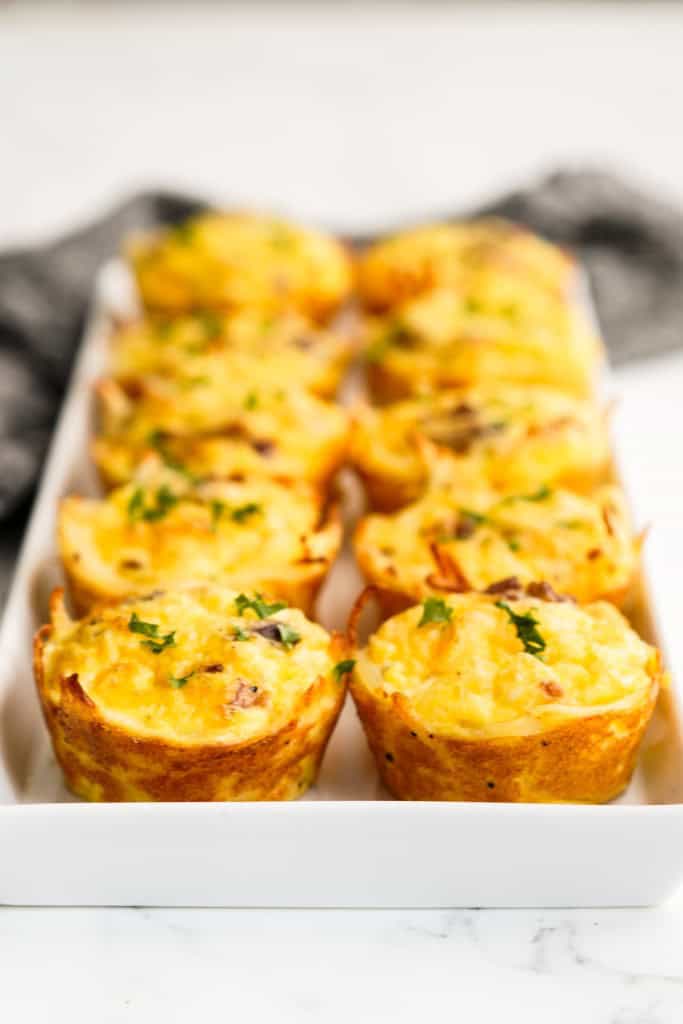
<point>571,524</point>
<point>257,605</point>
<point>475,517</point>
<point>288,637</point>
<point>435,609</point>
<point>164,500</point>
<point>156,642</point>
<point>177,682</point>
<point>277,633</point>
<point>187,383</point>
<point>513,543</point>
<point>156,439</point>
<point>541,494</point>
<point>241,513</point>
<point>136,504</point>
<point>217,510</point>
<point>342,668</point>
<point>251,401</point>
<point>527,632</point>
<point>241,634</point>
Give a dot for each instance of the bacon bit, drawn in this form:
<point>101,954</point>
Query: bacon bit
<point>546,592</point>
<point>246,695</point>
<point>593,554</point>
<point>264,448</point>
<point>510,586</point>
<point>551,688</point>
<point>73,686</point>
<point>212,668</point>
<point>607,518</point>
<point>449,576</point>
<point>465,527</point>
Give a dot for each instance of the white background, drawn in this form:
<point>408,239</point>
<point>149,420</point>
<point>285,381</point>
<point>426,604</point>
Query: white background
<point>353,115</point>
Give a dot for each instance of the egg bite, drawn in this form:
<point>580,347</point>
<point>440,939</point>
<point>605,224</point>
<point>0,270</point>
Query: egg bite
<point>451,541</point>
<point>198,693</point>
<point>273,347</point>
<point>225,426</point>
<point>160,530</point>
<point>443,340</point>
<point>227,261</point>
<point>507,438</point>
<point>456,255</point>
<point>506,698</point>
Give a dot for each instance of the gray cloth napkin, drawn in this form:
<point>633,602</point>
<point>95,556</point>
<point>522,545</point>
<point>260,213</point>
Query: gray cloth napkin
<point>631,245</point>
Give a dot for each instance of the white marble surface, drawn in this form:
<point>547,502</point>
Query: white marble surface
<point>353,116</point>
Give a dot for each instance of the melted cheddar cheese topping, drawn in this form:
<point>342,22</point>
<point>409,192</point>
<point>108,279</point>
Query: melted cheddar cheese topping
<point>193,664</point>
<point>446,338</point>
<point>507,438</point>
<point>233,261</point>
<point>221,426</point>
<point>271,347</point>
<point>473,675</point>
<point>160,530</point>
<point>457,255</point>
<point>582,546</point>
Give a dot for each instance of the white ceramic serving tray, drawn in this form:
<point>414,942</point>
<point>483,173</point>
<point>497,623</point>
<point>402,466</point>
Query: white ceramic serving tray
<point>347,843</point>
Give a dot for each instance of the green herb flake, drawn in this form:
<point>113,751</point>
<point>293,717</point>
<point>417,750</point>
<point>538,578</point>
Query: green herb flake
<point>157,440</point>
<point>527,632</point>
<point>177,682</point>
<point>513,543</point>
<point>571,524</point>
<point>541,494</point>
<point>241,634</point>
<point>251,401</point>
<point>155,642</point>
<point>136,504</point>
<point>164,501</point>
<point>217,509</point>
<point>435,609</point>
<point>475,517</point>
<point>260,607</point>
<point>241,513</point>
<point>288,636</point>
<point>342,668</point>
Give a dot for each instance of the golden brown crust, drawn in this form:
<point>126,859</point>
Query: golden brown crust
<point>104,762</point>
<point>584,760</point>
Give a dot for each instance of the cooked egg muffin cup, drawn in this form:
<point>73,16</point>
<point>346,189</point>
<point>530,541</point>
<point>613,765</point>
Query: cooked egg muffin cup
<point>278,347</point>
<point>439,341</point>
<point>219,429</point>
<point>453,541</point>
<point>403,266</point>
<point>222,261</point>
<point>188,695</point>
<point>454,706</point>
<point>510,439</point>
<point>161,530</point>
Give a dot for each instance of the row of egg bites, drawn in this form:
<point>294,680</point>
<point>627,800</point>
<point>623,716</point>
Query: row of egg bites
<point>496,541</point>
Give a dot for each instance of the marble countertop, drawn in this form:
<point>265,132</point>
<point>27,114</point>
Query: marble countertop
<point>355,116</point>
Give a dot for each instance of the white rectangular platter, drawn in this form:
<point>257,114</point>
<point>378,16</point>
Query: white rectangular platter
<point>347,843</point>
